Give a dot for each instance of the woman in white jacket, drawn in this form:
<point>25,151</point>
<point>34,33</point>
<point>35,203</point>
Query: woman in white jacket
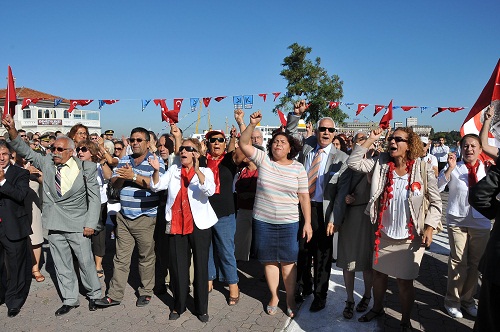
<point>468,230</point>
<point>189,218</point>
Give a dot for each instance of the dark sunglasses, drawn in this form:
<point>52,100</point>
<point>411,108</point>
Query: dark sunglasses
<point>425,144</point>
<point>59,149</point>
<point>322,129</point>
<point>216,139</point>
<point>83,149</point>
<point>187,148</point>
<point>138,140</point>
<point>397,139</point>
<point>23,135</point>
<point>118,148</point>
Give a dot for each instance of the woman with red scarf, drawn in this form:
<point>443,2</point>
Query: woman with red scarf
<point>189,218</point>
<point>400,184</point>
<point>468,230</point>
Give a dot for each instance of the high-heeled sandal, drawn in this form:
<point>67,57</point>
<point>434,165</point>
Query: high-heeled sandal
<point>348,312</point>
<point>38,276</point>
<point>363,304</point>
<point>291,312</point>
<point>272,309</point>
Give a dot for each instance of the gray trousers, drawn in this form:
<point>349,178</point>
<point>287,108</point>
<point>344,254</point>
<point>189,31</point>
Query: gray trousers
<point>61,244</point>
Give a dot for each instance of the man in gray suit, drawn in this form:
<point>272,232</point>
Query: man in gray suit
<point>328,186</point>
<point>71,207</point>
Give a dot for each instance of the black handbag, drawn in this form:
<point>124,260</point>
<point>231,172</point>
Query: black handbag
<point>113,194</point>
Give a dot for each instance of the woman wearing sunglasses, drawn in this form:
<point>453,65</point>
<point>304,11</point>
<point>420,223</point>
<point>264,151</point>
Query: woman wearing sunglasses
<point>89,151</point>
<point>189,217</point>
<point>400,183</point>
<point>222,261</point>
<point>281,185</point>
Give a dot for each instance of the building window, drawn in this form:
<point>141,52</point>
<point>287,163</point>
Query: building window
<point>27,114</point>
<point>66,114</point>
<point>47,114</point>
<point>40,113</point>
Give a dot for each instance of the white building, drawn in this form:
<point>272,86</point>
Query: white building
<point>44,117</point>
<point>411,121</point>
<point>398,124</point>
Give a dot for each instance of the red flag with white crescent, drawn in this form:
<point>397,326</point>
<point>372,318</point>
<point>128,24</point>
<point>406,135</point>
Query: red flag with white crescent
<point>333,104</point>
<point>263,95</point>
<point>178,104</point>
<point>218,99</point>
<point>407,108</point>
<point>491,92</point>
<point>28,101</point>
<point>206,101</point>
<point>10,96</point>
<point>378,108</point>
<point>76,102</point>
<point>361,107</point>
<point>385,122</point>
<point>276,94</point>
<point>440,109</point>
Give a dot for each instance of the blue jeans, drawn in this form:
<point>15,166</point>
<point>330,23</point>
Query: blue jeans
<point>221,258</point>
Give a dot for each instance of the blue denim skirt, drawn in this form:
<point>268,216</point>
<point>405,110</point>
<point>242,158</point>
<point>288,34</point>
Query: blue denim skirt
<point>276,242</point>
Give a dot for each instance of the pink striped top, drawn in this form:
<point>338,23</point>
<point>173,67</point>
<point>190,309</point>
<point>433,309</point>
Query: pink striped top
<point>278,186</point>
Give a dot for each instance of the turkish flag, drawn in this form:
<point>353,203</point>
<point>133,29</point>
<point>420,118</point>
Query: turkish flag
<point>276,94</point>
<point>76,102</point>
<point>440,109</point>
<point>491,92</point>
<point>282,118</point>
<point>10,96</point>
<point>455,109</point>
<point>166,115</point>
<point>407,108</point>
<point>178,104</point>
<point>218,99</point>
<point>206,101</point>
<point>378,108</point>
<point>385,122</point>
<point>263,95</point>
<point>28,101</point>
<point>361,107</point>
<point>333,104</point>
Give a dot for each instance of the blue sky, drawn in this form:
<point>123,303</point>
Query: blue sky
<point>424,53</point>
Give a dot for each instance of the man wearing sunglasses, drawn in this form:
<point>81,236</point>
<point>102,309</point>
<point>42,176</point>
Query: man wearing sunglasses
<point>71,207</point>
<point>135,221</point>
<point>325,166</point>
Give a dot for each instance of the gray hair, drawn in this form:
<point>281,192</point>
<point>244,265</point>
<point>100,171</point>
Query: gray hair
<point>325,118</point>
<point>109,146</point>
<point>355,137</point>
<point>71,143</point>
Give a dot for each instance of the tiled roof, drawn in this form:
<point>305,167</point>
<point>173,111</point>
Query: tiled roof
<point>24,92</point>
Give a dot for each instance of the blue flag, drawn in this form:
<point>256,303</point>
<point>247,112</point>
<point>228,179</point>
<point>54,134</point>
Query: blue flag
<point>194,102</point>
<point>248,101</point>
<point>57,102</point>
<point>145,103</point>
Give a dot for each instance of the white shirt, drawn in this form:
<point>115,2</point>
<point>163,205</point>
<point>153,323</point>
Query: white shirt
<point>432,158</point>
<point>441,153</point>
<point>395,218</point>
<point>318,193</point>
<point>4,172</point>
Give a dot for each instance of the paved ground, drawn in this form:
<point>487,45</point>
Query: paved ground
<point>428,314</point>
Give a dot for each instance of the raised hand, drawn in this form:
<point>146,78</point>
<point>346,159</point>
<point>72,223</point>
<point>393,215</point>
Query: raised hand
<point>299,107</point>
<point>376,133</point>
<point>154,162</point>
<point>174,130</point>
<point>238,116</point>
<point>255,118</point>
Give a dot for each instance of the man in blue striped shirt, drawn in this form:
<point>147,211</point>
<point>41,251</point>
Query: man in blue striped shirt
<point>135,221</point>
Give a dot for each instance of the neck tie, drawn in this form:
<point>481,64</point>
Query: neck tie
<point>58,179</point>
<point>312,174</point>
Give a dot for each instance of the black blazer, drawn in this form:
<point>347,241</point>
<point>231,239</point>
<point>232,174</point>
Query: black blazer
<point>13,215</point>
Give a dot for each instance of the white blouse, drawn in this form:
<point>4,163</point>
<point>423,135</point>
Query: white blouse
<point>395,218</point>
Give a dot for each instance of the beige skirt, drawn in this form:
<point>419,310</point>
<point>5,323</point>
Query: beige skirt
<point>399,258</point>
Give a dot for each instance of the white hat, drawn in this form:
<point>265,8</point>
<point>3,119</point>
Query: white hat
<point>424,140</point>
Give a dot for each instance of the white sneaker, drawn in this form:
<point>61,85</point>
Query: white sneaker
<point>454,312</point>
<point>472,310</point>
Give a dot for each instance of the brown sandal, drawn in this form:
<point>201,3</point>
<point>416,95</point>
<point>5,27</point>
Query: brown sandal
<point>38,276</point>
<point>370,315</point>
<point>348,310</point>
<point>234,300</point>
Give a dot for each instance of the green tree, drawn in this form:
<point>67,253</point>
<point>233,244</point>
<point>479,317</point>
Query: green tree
<point>308,80</point>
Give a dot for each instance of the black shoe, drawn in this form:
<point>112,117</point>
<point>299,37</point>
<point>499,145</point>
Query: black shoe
<point>13,312</point>
<point>92,305</point>
<point>106,302</point>
<point>173,315</point>
<point>143,301</point>
<point>65,309</point>
<point>203,318</point>
<point>317,305</point>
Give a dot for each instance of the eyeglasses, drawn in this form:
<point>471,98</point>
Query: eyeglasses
<point>83,149</point>
<point>322,129</point>
<point>59,149</point>
<point>22,135</point>
<point>397,139</point>
<point>94,138</point>
<point>216,139</point>
<point>187,148</point>
<point>138,140</point>
<point>118,148</point>
<point>362,139</point>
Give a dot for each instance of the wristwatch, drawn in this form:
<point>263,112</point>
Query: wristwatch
<point>135,177</point>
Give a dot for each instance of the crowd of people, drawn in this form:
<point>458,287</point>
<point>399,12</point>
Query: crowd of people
<point>194,209</point>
